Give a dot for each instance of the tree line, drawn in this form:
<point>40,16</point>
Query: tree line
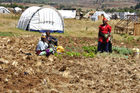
<point>126,9</point>
<point>25,1</point>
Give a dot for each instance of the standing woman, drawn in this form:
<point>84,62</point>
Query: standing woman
<point>104,36</point>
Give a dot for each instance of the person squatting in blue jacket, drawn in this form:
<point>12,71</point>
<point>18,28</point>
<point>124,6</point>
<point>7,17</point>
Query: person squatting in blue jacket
<point>51,39</point>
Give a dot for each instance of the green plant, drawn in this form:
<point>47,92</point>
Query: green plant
<point>90,49</point>
<point>124,35</point>
<point>122,50</point>
<point>73,54</point>
<point>130,39</point>
<point>89,54</point>
<point>60,56</point>
<point>68,48</point>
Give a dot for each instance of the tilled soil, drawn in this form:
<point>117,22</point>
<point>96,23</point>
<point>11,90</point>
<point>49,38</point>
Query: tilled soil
<point>22,72</point>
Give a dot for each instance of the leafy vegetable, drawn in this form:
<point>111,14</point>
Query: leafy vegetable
<point>122,50</point>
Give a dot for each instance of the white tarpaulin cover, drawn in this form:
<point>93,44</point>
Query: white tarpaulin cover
<point>94,17</point>
<point>68,13</point>
<point>41,19</point>
<point>123,15</point>
<point>4,10</point>
<point>17,9</point>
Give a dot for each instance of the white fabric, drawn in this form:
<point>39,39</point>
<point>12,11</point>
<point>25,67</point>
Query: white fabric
<point>46,19</point>
<point>4,10</point>
<point>109,14</point>
<point>87,15</point>
<point>26,16</point>
<point>41,19</point>
<point>42,53</point>
<point>116,13</point>
<point>68,13</point>
<point>41,45</point>
<point>94,17</point>
<point>123,15</point>
<point>17,9</point>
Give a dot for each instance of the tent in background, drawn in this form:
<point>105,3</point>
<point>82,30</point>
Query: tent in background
<point>68,13</point>
<point>123,15</point>
<point>98,15</point>
<point>17,10</point>
<point>115,15</point>
<point>89,14</point>
<point>41,19</point>
<point>4,10</point>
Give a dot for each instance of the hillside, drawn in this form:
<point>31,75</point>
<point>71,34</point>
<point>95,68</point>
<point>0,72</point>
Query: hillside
<point>82,3</point>
<point>98,3</point>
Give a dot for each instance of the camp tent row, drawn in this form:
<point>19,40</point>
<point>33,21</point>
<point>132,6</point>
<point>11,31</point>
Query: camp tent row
<point>4,10</point>
<point>99,15</point>
<point>93,15</point>
<point>123,15</point>
<point>41,19</point>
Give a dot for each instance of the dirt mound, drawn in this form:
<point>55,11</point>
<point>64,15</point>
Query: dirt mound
<point>22,71</point>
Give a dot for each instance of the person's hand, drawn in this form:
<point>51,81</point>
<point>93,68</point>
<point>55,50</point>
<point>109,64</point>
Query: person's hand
<point>106,35</point>
<point>46,41</point>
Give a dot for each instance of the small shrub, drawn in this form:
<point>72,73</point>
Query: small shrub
<point>89,54</point>
<point>73,54</point>
<point>122,50</point>
<point>60,56</point>
<point>90,49</point>
<point>129,39</point>
<point>124,35</point>
<point>68,48</point>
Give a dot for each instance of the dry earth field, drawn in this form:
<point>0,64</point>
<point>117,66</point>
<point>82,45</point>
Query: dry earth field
<point>104,73</point>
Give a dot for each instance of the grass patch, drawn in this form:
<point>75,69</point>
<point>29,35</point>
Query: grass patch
<point>8,34</point>
<point>10,16</point>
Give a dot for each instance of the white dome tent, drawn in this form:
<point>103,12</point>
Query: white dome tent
<point>41,19</point>
<point>95,16</point>
<point>4,10</point>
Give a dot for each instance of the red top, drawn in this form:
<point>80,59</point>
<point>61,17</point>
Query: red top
<point>104,30</point>
<point>105,19</point>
